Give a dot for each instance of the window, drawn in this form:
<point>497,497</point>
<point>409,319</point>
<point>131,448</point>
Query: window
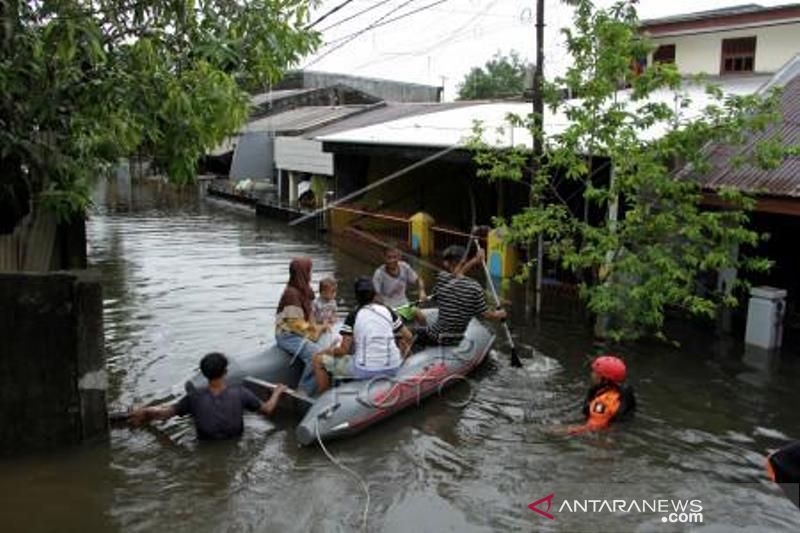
<point>664,54</point>
<point>738,55</point>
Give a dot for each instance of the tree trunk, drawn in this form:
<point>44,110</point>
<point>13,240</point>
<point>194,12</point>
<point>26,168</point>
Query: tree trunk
<point>15,195</point>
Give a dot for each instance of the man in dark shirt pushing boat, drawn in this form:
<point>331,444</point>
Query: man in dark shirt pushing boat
<point>217,410</point>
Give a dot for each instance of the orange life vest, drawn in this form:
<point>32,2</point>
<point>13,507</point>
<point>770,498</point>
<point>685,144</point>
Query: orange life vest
<point>603,408</point>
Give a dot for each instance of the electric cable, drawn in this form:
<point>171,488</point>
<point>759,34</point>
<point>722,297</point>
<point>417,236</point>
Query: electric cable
<point>351,17</point>
<point>380,22</point>
<point>346,39</point>
<point>328,14</point>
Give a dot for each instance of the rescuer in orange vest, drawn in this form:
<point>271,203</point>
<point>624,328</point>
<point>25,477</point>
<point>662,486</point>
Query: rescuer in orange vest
<point>783,467</point>
<point>609,399</point>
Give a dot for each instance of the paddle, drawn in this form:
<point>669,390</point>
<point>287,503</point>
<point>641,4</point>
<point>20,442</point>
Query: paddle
<point>515,360</point>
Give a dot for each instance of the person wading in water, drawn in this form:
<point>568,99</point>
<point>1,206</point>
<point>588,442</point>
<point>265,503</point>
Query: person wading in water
<point>217,410</point>
<point>609,399</point>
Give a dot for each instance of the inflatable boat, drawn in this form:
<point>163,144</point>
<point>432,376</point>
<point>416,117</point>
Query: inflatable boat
<point>352,406</point>
<point>355,405</point>
<point>272,365</point>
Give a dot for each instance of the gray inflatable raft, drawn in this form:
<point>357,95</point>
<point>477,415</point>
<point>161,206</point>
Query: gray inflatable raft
<point>355,405</point>
<point>272,365</point>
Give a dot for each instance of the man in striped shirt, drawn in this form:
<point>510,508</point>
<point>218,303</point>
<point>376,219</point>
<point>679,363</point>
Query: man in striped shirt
<point>459,299</point>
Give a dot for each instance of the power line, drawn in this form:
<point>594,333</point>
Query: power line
<point>328,14</point>
<point>352,36</point>
<point>351,17</point>
<point>451,41</point>
<point>380,22</point>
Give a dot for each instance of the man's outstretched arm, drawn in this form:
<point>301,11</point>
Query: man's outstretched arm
<point>146,414</point>
<point>268,408</point>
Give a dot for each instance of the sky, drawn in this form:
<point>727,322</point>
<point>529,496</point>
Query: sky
<point>439,45</point>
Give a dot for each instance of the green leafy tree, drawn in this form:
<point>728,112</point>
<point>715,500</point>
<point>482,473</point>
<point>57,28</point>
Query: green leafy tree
<point>649,259</point>
<point>501,76</point>
<point>84,82</point>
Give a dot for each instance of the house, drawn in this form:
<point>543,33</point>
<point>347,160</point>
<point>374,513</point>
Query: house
<point>759,43</point>
<point>250,153</point>
<point>364,155</point>
<point>299,158</point>
<point>253,157</point>
<point>776,190</point>
<point>730,41</point>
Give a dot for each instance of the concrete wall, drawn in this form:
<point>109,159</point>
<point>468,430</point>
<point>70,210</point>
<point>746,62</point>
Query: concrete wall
<point>302,155</point>
<point>253,157</point>
<point>389,90</point>
<point>52,368</point>
<point>694,54</point>
<point>323,96</point>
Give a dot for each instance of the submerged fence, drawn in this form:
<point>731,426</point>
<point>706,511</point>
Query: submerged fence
<point>399,229</point>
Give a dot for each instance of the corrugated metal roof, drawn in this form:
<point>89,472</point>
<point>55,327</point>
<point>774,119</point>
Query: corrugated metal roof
<point>710,13</point>
<point>756,13</point>
<point>451,126</point>
<point>301,119</point>
<point>262,98</point>
<point>781,181</point>
<point>385,113</point>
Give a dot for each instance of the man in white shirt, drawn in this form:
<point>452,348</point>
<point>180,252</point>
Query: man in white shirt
<point>374,342</point>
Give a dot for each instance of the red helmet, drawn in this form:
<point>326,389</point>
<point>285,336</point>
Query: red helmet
<point>610,367</point>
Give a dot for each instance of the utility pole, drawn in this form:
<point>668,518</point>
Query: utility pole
<point>538,144</point>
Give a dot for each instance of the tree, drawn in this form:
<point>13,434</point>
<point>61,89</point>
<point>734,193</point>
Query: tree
<point>502,76</point>
<point>84,82</point>
<point>650,259</point>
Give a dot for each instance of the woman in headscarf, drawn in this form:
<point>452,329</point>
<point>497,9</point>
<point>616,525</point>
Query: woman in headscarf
<point>295,331</point>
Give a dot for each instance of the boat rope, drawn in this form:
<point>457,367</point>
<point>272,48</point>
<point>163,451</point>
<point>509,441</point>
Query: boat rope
<point>348,470</point>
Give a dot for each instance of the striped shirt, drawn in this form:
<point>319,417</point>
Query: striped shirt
<point>459,300</point>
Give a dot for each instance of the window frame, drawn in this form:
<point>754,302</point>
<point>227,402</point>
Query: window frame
<point>665,46</point>
<point>735,56</point>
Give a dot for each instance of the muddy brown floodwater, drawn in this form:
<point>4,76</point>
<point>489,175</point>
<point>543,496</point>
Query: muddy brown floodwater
<point>183,275</point>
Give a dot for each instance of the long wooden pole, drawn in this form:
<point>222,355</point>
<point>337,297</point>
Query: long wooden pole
<point>538,142</point>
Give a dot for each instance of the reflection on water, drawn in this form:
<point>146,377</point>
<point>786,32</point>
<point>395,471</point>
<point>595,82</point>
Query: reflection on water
<point>183,276</point>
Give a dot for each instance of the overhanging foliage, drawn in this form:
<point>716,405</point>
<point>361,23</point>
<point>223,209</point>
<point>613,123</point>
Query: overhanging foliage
<point>85,82</point>
<point>664,242</point>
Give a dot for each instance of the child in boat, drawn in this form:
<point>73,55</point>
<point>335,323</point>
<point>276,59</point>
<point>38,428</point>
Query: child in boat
<point>373,332</point>
<point>609,399</point>
<point>325,305</point>
<point>325,308</point>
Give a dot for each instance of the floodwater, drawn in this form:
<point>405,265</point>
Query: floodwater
<point>184,275</point>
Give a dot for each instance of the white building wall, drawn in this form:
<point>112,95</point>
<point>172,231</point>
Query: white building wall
<point>252,158</point>
<point>302,155</point>
<point>694,54</point>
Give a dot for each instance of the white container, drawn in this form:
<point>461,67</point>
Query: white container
<point>765,317</point>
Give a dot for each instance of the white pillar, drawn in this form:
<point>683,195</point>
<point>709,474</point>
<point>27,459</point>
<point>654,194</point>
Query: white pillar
<point>293,181</point>
<point>280,186</point>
